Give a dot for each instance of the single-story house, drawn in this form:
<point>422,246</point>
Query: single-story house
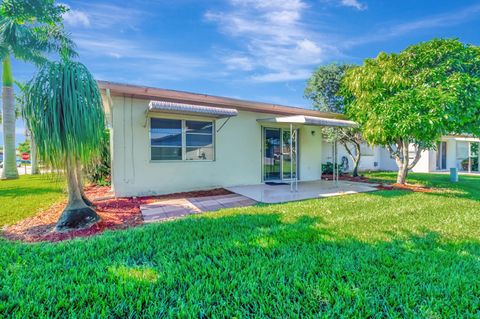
<point>166,141</point>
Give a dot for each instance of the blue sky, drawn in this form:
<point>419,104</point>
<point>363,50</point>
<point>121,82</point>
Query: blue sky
<point>256,50</point>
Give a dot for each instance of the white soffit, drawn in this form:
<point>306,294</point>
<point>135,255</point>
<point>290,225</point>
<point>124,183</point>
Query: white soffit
<point>190,109</point>
<point>309,120</point>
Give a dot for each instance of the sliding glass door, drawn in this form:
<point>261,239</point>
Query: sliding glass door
<point>272,154</point>
<point>442,156</point>
<point>277,161</point>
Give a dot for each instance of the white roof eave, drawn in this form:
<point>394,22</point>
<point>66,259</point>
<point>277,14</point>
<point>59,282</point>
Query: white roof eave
<point>309,120</point>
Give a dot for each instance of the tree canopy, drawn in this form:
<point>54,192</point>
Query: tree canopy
<point>31,28</point>
<point>324,90</point>
<point>414,97</point>
<point>324,85</point>
<point>428,90</point>
<point>64,111</point>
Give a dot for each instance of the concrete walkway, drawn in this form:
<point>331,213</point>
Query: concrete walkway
<point>175,208</point>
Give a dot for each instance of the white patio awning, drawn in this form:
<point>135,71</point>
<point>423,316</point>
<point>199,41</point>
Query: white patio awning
<point>190,109</point>
<point>309,120</point>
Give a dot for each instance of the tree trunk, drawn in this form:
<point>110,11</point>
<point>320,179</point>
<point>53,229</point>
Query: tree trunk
<point>33,155</point>
<point>77,215</point>
<point>9,170</point>
<point>356,160</point>
<point>355,157</point>
<point>401,158</point>
<point>402,174</point>
<point>80,184</point>
<point>404,163</point>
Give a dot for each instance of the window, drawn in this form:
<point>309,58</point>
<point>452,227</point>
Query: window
<point>199,140</point>
<point>176,140</point>
<point>366,150</point>
<point>462,150</point>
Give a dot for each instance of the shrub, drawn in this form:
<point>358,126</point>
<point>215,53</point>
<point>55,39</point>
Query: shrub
<point>99,172</point>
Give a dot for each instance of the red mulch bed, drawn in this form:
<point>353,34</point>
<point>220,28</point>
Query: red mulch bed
<point>116,213</point>
<point>409,187</point>
<point>363,179</point>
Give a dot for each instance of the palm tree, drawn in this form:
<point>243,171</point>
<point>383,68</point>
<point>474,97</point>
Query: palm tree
<point>18,111</point>
<point>28,31</point>
<point>64,112</point>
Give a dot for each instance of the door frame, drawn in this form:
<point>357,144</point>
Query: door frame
<point>442,148</point>
<point>297,145</point>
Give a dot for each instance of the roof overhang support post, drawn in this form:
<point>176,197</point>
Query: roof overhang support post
<point>335,162</point>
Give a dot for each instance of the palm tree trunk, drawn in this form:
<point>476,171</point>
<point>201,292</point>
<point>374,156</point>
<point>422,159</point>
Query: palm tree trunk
<point>77,215</point>
<point>80,183</point>
<point>33,157</point>
<point>9,156</point>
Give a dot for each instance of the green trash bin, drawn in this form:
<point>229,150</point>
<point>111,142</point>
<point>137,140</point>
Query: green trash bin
<point>454,175</point>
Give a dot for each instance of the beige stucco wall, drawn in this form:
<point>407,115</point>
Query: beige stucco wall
<point>238,159</point>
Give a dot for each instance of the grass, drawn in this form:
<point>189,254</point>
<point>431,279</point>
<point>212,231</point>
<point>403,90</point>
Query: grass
<point>392,254</point>
<point>24,197</point>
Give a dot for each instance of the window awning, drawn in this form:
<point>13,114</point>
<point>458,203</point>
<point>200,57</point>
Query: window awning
<point>309,120</point>
<point>190,109</point>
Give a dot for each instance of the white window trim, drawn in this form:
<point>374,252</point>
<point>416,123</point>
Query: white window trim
<point>184,141</point>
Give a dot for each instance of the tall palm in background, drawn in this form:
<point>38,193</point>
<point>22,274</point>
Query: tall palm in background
<point>64,112</point>
<point>29,30</point>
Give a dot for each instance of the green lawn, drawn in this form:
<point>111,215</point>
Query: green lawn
<point>384,254</point>
<point>24,197</point>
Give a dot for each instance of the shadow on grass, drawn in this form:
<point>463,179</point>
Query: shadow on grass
<point>256,263</point>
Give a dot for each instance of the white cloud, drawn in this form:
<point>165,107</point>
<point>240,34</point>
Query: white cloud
<point>275,42</point>
<point>283,76</point>
<point>97,15</point>
<point>76,18</point>
<point>236,62</point>
<point>354,4</point>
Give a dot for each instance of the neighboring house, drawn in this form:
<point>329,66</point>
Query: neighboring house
<point>165,141</point>
<point>374,158</point>
<point>453,151</point>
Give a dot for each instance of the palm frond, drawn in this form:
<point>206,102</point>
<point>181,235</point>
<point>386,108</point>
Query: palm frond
<point>31,29</point>
<point>64,112</point>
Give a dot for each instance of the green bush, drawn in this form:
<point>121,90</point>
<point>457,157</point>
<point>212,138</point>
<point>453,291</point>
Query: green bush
<point>99,171</point>
<point>328,168</point>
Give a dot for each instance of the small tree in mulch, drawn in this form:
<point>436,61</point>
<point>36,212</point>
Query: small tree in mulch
<point>64,112</point>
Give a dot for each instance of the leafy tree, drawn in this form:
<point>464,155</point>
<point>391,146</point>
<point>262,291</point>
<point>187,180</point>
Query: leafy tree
<point>24,147</point>
<point>65,114</point>
<point>29,29</point>
<point>407,101</point>
<point>323,89</point>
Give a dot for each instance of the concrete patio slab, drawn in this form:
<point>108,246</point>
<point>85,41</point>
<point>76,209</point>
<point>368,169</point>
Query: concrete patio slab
<point>315,189</point>
<point>175,208</point>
